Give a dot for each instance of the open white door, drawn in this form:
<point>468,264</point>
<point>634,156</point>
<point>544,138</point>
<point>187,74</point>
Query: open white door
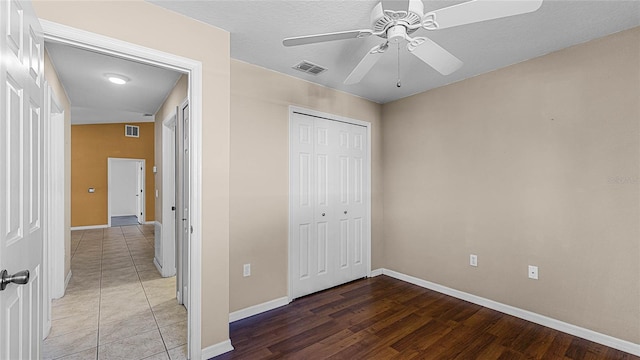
<point>183,228</point>
<point>21,185</point>
<point>53,253</point>
<point>140,192</point>
<point>167,244</point>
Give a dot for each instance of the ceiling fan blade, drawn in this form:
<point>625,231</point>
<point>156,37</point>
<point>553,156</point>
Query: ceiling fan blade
<point>434,55</point>
<point>366,64</point>
<point>312,39</point>
<point>477,10</point>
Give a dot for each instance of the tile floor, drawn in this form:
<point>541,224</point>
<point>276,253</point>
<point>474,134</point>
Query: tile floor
<point>117,306</point>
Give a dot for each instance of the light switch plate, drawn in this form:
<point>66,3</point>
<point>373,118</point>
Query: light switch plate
<point>533,272</point>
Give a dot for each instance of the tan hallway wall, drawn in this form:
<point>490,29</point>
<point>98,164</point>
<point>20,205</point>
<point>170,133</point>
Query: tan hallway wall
<point>175,98</point>
<point>51,76</point>
<point>260,102</point>
<point>148,25</point>
<point>91,146</point>
<point>536,163</point>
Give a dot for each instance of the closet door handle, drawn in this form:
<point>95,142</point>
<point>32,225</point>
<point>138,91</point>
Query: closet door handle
<point>322,214</point>
<point>345,212</point>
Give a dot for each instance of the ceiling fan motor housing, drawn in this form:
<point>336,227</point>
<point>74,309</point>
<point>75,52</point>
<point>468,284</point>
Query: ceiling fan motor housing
<point>396,34</point>
<point>383,20</point>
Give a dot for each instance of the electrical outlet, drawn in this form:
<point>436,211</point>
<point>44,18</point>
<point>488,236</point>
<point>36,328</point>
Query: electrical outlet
<point>473,260</point>
<point>246,270</point>
<point>533,272</point>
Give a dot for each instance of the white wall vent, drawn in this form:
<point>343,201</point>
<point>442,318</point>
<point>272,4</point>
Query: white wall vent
<point>131,131</point>
<point>309,67</point>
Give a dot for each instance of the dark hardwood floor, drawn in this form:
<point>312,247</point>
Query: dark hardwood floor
<point>385,318</point>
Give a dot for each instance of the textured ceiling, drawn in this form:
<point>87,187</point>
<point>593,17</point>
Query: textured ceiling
<point>258,27</point>
<point>96,100</point>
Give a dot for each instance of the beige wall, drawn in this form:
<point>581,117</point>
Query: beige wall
<point>174,99</point>
<point>537,163</point>
<point>148,25</point>
<point>51,76</point>
<point>260,102</point>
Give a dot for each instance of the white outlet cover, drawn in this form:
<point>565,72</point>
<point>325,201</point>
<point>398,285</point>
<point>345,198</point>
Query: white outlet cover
<point>533,272</point>
<point>246,270</point>
<point>473,260</point>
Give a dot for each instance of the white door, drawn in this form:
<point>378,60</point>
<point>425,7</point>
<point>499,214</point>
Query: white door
<point>166,246</point>
<point>350,201</point>
<point>140,192</point>
<point>183,226</point>
<point>21,185</point>
<point>329,224</point>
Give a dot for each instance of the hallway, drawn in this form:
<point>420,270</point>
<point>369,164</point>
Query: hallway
<point>116,306</point>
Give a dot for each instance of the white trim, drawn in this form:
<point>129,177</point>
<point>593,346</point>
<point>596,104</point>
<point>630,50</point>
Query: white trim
<point>104,44</point>
<point>376,272</point>
<point>66,281</point>
<point>158,267</point>
<point>297,109</point>
<point>258,309</point>
<point>217,349</point>
<point>168,238</point>
<point>571,329</point>
<point>150,222</point>
<point>89,227</point>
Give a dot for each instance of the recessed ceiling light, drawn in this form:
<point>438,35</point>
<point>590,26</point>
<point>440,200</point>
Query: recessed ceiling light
<point>117,79</point>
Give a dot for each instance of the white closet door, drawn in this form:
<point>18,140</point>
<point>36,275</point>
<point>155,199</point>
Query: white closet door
<point>350,203</point>
<point>357,211</point>
<point>328,212</point>
<point>309,268</point>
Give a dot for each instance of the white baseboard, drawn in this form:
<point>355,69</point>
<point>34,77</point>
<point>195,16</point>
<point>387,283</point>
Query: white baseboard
<point>217,349</point>
<point>578,331</point>
<point>66,281</point>
<point>258,309</point>
<point>155,262</point>
<point>376,272</point>
<point>150,222</point>
<point>89,227</point>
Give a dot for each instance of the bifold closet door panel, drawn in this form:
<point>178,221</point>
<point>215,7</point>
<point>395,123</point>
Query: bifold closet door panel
<point>328,184</point>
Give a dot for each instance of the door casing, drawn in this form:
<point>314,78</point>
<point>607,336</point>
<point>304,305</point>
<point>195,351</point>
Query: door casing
<point>53,255</point>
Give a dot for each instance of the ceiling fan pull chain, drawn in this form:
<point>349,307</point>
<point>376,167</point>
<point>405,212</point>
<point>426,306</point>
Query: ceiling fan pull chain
<point>398,84</point>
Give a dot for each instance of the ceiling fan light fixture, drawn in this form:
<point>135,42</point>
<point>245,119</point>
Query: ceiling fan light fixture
<point>117,79</point>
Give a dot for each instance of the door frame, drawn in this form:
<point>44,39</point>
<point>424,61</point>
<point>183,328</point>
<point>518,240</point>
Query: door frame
<point>314,113</point>
<point>168,236</point>
<point>107,45</point>
<point>139,173</point>
<point>54,247</point>
<point>182,270</point>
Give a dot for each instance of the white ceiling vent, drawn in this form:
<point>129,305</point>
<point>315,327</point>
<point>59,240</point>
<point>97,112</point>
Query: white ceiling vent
<point>131,131</point>
<point>309,67</point>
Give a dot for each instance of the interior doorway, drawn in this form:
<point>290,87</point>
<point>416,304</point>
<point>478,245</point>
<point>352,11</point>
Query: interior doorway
<point>97,43</point>
<point>126,191</point>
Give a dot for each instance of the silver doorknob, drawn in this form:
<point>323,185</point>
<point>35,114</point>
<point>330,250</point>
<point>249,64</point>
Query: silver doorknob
<point>345,212</point>
<point>21,278</point>
<point>322,214</point>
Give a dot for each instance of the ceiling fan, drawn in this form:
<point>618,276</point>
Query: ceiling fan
<point>396,26</point>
